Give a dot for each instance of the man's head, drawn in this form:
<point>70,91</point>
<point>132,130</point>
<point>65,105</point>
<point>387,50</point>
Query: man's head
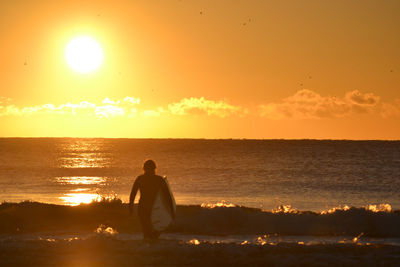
<point>149,166</point>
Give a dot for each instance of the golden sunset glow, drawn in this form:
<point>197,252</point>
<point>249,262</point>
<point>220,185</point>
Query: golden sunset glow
<point>84,54</point>
<point>202,69</point>
<point>80,180</point>
<point>197,133</point>
<point>74,199</point>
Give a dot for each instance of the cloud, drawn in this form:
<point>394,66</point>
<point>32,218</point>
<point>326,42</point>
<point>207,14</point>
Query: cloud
<point>304,104</point>
<point>203,106</point>
<point>108,108</point>
<point>4,103</point>
<point>307,104</point>
<point>131,100</point>
<point>391,110</point>
<point>4,100</point>
<point>109,111</point>
<point>360,102</point>
<point>127,107</point>
<point>358,98</point>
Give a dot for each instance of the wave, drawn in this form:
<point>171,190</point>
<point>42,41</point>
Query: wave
<point>373,221</point>
<point>207,219</point>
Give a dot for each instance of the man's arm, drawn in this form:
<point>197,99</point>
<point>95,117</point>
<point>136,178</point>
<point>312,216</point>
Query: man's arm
<point>134,190</point>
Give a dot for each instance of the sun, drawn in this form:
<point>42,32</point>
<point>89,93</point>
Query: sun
<point>84,54</point>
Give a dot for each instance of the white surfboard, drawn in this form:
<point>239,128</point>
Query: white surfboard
<point>162,213</point>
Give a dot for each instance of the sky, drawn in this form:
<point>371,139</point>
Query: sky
<point>203,69</point>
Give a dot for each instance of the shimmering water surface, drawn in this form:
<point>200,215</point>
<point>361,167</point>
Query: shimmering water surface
<point>307,174</point>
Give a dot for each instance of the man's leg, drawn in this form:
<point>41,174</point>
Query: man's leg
<point>145,223</point>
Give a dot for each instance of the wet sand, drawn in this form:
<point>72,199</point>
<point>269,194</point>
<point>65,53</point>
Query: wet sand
<point>109,251</point>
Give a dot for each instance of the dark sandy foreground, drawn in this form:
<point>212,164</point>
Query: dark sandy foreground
<point>109,251</point>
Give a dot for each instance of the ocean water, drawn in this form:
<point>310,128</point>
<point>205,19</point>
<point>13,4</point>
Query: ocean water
<point>251,202</point>
<point>308,175</point>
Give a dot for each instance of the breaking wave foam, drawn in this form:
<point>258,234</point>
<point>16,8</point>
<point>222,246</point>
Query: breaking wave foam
<point>227,219</point>
<point>207,219</point>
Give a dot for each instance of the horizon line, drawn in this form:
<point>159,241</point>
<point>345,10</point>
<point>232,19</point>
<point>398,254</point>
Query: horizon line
<point>192,138</point>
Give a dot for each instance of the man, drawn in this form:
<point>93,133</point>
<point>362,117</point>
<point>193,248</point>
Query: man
<point>148,183</point>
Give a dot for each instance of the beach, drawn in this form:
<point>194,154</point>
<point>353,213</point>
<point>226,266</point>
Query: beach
<point>106,251</point>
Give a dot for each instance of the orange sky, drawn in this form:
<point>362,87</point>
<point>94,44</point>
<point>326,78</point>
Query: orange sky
<point>203,69</point>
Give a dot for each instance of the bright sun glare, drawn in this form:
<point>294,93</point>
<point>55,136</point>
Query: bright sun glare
<point>84,54</point>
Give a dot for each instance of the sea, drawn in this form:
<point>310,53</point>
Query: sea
<point>308,175</point>
<point>239,202</point>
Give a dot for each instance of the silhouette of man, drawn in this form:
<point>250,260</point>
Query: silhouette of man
<point>148,184</point>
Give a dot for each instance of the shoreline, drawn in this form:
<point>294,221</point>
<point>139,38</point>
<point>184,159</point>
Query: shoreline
<point>102,234</point>
<point>35,217</point>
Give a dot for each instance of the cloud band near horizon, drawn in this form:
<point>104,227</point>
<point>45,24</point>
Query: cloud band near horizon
<point>304,104</point>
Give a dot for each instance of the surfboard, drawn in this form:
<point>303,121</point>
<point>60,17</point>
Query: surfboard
<point>164,207</point>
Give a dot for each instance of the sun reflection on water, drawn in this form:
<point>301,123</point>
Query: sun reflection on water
<point>80,163</point>
<point>74,199</point>
<point>83,160</point>
<point>83,153</point>
<point>80,189</point>
<point>85,180</point>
